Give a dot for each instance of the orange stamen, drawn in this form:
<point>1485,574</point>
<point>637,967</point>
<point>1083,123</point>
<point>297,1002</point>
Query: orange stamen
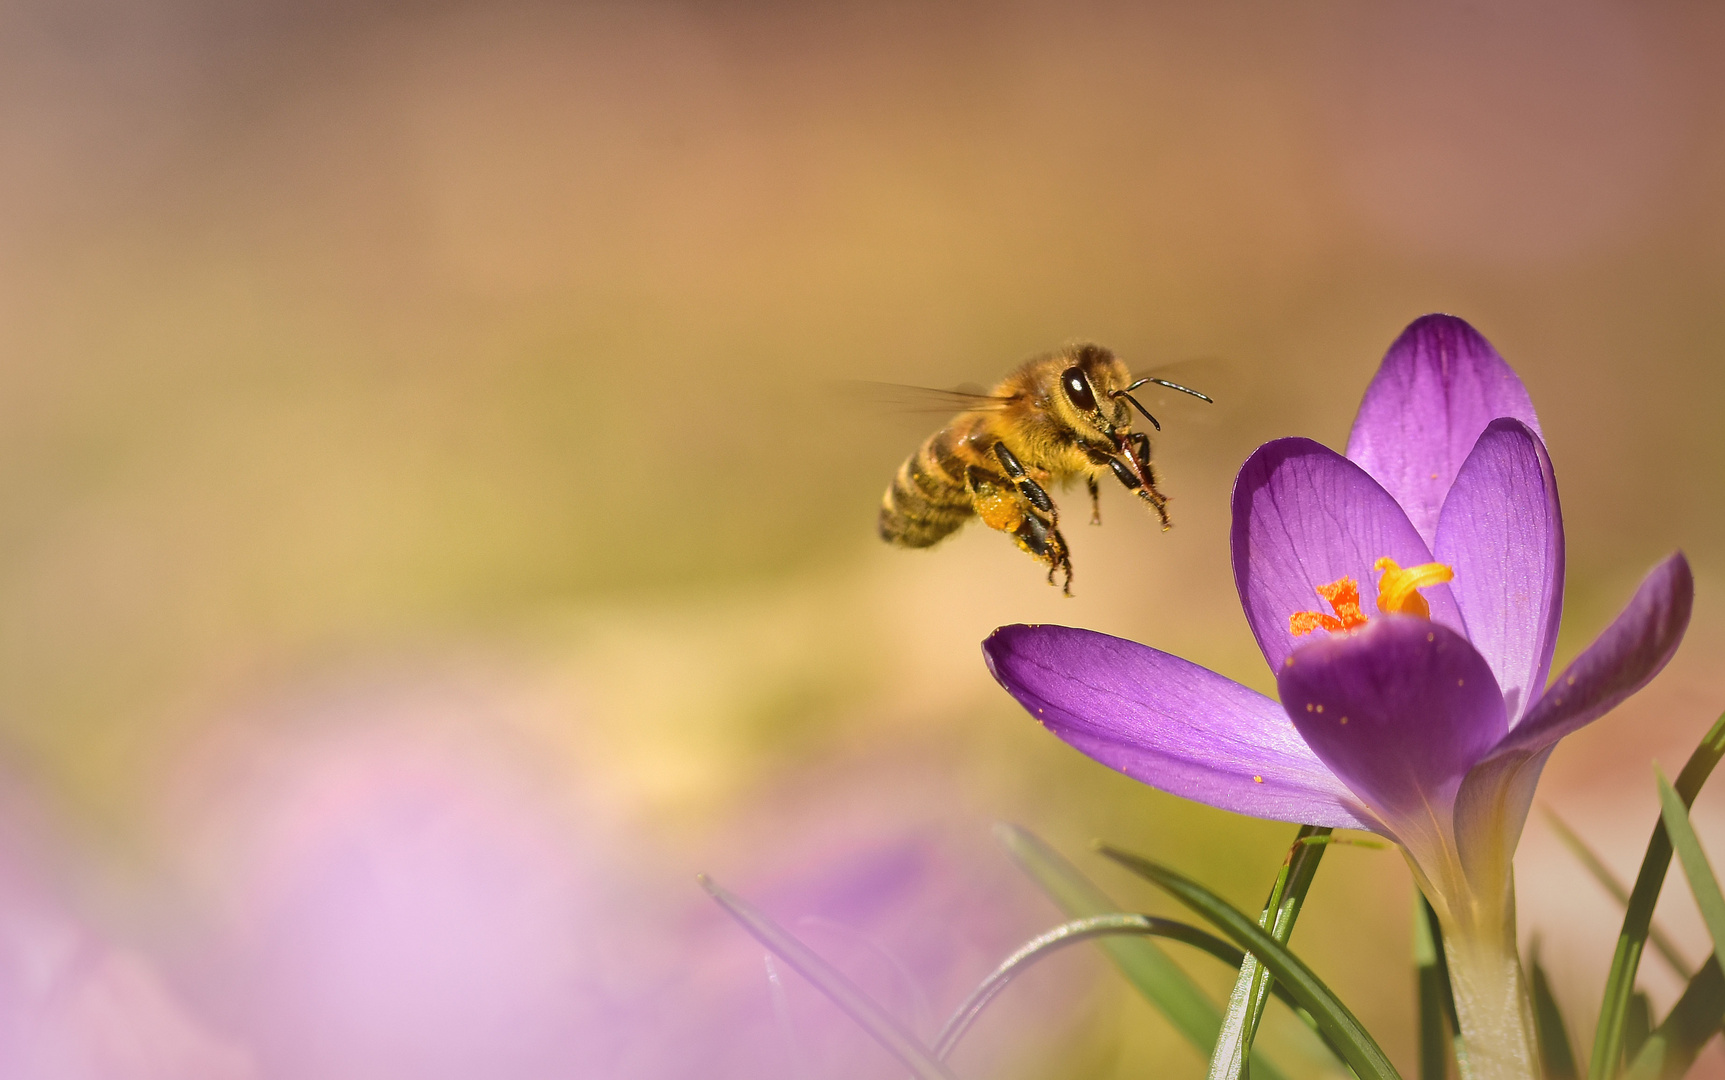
<point>1344,597</point>
<point>1304,622</point>
<point>1398,594</point>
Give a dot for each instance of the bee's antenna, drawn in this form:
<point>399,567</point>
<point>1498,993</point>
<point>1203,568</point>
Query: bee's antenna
<point>1135,401</point>
<point>1171,386</point>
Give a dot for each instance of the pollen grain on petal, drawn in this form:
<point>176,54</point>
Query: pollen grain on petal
<point>1257,779</point>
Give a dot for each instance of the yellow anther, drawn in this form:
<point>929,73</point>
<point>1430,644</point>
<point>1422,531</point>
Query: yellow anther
<point>1398,589</point>
<point>1398,594</point>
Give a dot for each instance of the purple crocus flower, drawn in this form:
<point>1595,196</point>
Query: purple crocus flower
<point>1426,721</point>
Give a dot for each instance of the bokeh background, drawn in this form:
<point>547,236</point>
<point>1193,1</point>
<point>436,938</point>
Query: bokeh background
<point>432,529</point>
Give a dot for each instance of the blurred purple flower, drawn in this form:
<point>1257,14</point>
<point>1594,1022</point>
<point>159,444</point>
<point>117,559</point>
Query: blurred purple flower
<point>1429,722</point>
<point>73,1006</point>
<point>384,885</point>
<point>378,884</point>
<point>913,909</point>
<point>394,894</point>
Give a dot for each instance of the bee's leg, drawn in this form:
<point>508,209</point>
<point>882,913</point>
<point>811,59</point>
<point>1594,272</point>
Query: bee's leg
<point>1129,480</point>
<point>1032,523</point>
<point>1095,500</point>
<point>1158,501</point>
<point>1037,496</point>
<point>1027,487</point>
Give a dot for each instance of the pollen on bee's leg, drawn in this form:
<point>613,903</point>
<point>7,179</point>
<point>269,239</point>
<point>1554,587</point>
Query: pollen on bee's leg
<point>1343,596</point>
<point>1398,589</point>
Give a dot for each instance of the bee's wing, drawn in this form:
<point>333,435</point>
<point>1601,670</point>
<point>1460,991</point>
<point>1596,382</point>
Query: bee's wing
<point>894,397</point>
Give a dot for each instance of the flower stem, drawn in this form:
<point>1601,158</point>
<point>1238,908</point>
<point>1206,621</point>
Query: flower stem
<point>1491,1002</point>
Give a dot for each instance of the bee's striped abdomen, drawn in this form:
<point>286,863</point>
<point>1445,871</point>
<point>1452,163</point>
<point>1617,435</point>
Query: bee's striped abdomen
<point>927,500</point>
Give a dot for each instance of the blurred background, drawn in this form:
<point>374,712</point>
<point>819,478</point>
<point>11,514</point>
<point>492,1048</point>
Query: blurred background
<point>430,532</point>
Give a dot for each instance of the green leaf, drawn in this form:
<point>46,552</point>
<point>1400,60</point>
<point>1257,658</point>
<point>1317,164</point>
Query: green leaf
<point>1702,882</point>
<point>1436,1000</point>
<point>1148,968</point>
<point>1329,839</point>
<point>830,981</point>
<point>1555,1052</point>
<point>1252,987</point>
<point>1358,1048</point>
<point>1637,1025</point>
<point>1071,933</point>
<point>1638,917</point>
<point>1672,1048</point>
<point>1662,943</point>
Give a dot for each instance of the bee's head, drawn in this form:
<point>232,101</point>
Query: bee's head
<point>1091,390</point>
<point>1093,393</point>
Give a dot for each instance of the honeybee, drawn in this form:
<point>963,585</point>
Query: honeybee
<point>1053,419</point>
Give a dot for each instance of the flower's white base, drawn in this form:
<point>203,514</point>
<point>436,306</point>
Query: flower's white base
<point>1491,1002</point>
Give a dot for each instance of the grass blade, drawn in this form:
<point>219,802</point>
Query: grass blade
<point>1671,1049</point>
<point>1702,882</point>
<point>1556,1055</point>
<point>1148,968</point>
<point>1638,918</point>
<point>1071,933</point>
<point>1358,1048</point>
<point>782,1016</point>
<point>1594,865</point>
<point>1637,1025</point>
<point>1436,1000</point>
<point>833,983</point>
<point>1252,987</point>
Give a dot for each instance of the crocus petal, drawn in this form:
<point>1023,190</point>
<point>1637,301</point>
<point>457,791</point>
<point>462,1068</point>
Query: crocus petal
<point>1495,797</point>
<point>1170,723</point>
<point>1304,516</point>
<point>1623,659</point>
<point>1502,531</point>
<point>1399,711</point>
<point>1439,386</point>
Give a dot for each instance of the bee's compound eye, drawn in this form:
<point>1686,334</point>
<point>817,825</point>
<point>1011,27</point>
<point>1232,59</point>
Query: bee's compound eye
<point>1078,389</point>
